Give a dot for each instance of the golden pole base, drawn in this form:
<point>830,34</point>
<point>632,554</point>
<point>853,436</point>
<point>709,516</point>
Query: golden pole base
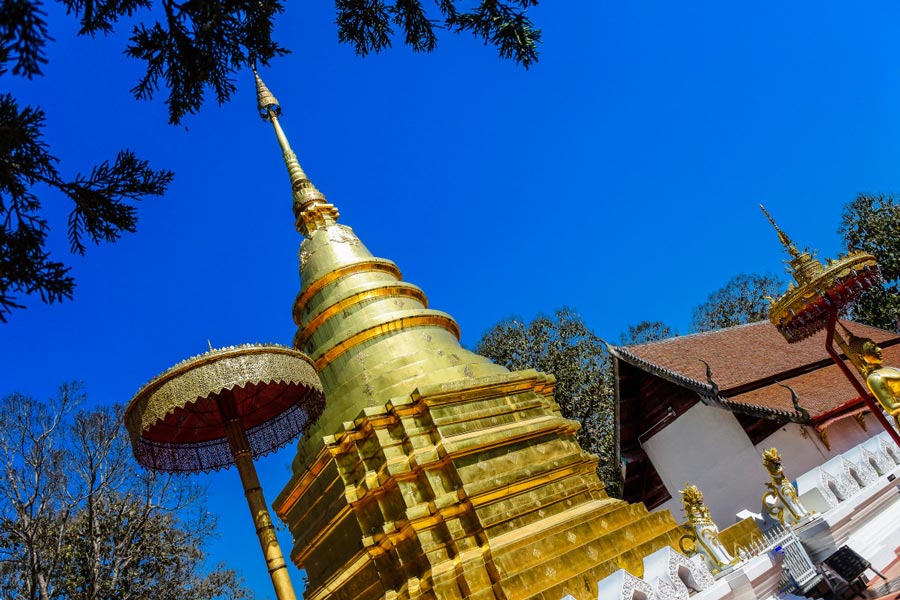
<point>265,530</point>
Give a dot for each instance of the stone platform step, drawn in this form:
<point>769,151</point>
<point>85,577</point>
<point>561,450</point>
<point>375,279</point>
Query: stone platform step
<point>574,549</point>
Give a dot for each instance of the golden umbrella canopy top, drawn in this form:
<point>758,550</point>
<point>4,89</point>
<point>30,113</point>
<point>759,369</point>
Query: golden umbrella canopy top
<point>176,421</point>
<point>804,308</point>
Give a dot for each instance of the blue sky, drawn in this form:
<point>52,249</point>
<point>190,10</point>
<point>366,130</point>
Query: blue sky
<point>620,176</point>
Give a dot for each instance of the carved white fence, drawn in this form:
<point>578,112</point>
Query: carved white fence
<point>797,567</point>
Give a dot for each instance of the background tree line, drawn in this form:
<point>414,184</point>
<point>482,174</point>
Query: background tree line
<point>564,346</point>
<point>79,520</point>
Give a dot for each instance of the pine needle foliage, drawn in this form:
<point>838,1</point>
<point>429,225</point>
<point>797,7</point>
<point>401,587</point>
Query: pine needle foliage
<point>190,50</point>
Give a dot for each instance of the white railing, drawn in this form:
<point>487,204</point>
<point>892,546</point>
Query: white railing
<point>797,567</point>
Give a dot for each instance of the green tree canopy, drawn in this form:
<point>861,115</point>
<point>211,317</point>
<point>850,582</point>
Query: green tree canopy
<point>743,299</point>
<point>872,224</point>
<point>189,50</point>
<point>80,521</point>
<point>563,346</point>
<point>646,332</point>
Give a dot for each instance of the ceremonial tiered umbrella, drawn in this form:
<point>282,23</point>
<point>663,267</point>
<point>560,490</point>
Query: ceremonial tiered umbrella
<point>813,303</point>
<point>227,407</point>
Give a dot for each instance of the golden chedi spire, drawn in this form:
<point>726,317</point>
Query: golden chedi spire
<point>782,236</point>
<point>432,472</point>
<point>311,209</point>
<point>352,306</point>
<point>804,268</point>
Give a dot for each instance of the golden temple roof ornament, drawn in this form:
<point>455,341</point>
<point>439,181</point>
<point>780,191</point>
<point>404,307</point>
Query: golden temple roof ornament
<point>785,240</point>
<point>311,210</point>
<point>804,309</point>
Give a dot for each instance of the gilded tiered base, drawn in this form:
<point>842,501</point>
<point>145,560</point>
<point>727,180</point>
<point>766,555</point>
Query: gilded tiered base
<point>472,489</point>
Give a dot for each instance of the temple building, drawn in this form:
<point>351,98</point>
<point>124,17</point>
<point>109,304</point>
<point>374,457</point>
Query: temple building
<point>732,393</point>
<point>706,408</point>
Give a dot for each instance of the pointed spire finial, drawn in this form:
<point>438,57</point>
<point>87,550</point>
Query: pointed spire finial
<point>266,102</point>
<point>785,240</point>
<point>311,210</point>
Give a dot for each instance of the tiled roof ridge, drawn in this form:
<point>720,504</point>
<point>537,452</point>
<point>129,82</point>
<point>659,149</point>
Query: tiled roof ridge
<point>757,410</point>
<point>699,386</point>
<point>705,390</point>
<point>723,330</point>
<point>691,335</point>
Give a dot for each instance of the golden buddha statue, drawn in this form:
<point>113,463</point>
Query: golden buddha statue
<point>882,381</point>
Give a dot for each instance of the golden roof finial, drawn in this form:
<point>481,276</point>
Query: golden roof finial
<point>803,266</point>
<point>311,210</point>
<point>785,240</point>
<point>265,100</point>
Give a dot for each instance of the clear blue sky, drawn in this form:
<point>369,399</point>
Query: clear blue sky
<point>620,176</point>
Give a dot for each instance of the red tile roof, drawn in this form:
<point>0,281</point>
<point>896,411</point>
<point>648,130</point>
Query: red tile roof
<point>820,391</point>
<point>747,360</point>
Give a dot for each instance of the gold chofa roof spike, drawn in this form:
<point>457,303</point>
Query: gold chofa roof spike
<point>311,210</point>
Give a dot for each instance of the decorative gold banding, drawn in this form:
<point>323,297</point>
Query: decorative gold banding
<point>331,276</point>
<point>351,569</point>
<point>540,426</point>
<point>288,497</point>
<point>435,319</point>
<point>309,514</point>
<point>531,483</point>
<point>299,554</point>
<point>382,292</point>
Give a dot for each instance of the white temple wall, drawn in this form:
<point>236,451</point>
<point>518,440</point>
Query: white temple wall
<point>802,450</point>
<point>707,447</point>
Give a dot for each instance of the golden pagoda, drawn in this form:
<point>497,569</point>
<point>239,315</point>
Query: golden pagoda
<point>432,472</point>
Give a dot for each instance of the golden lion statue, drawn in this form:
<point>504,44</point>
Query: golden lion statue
<point>704,533</point>
<point>781,499</point>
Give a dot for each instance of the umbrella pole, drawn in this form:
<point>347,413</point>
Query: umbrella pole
<point>265,530</point>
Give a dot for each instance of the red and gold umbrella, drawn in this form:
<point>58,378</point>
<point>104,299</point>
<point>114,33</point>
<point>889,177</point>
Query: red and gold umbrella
<point>227,407</point>
<point>814,300</point>
<point>819,290</point>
